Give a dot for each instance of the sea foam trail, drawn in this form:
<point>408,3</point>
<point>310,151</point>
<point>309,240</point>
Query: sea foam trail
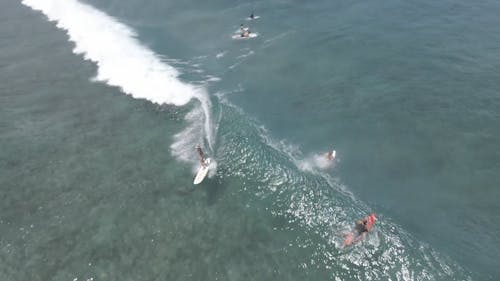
<point>122,61</point>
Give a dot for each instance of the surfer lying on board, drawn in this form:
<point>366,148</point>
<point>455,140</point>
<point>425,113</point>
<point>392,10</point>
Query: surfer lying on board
<point>202,156</point>
<point>362,227</point>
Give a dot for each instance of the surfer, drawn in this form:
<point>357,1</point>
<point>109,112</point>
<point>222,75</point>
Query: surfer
<point>203,170</point>
<point>245,32</point>
<point>202,156</point>
<point>362,227</point>
<point>330,155</point>
<point>252,16</point>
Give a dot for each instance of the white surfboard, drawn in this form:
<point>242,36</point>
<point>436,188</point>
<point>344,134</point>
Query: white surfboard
<point>202,172</point>
<point>238,36</point>
<point>254,18</point>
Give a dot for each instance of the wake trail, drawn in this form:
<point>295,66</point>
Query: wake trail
<point>121,60</point>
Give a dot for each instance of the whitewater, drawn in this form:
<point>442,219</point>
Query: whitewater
<point>122,61</point>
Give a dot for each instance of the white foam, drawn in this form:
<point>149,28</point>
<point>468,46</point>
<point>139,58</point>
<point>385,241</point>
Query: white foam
<point>183,147</point>
<point>316,161</point>
<point>221,54</point>
<point>122,61</point>
<point>245,55</point>
<point>272,40</point>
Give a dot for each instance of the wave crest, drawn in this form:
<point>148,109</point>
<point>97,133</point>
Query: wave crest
<point>122,61</point>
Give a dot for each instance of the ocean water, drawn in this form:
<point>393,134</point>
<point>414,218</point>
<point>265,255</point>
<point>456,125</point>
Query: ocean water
<point>102,103</point>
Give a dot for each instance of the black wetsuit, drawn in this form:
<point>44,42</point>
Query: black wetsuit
<point>361,227</point>
<point>202,156</point>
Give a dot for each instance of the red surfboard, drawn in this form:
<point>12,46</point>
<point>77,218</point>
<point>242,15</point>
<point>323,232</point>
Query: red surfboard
<point>356,236</point>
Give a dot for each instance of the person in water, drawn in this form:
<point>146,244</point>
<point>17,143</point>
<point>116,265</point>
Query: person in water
<point>252,16</point>
<point>245,32</point>
<point>362,227</point>
<point>202,156</point>
<point>329,155</point>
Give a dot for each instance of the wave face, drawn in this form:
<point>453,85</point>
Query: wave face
<point>320,210</point>
<point>122,61</point>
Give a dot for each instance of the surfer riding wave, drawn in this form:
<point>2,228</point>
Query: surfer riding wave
<point>203,161</point>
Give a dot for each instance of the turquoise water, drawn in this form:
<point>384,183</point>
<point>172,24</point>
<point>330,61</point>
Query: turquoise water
<point>98,127</point>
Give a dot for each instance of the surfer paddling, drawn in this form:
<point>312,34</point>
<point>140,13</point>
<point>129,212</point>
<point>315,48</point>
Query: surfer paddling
<point>202,156</point>
<point>362,227</point>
